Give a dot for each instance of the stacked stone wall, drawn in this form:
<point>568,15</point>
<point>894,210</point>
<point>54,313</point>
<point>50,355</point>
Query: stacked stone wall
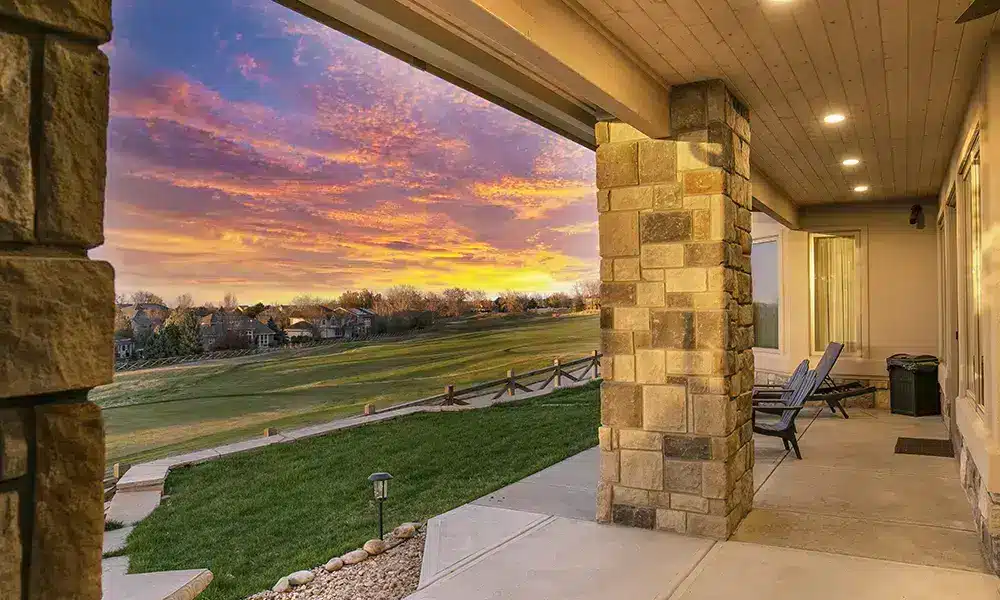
<point>56,305</point>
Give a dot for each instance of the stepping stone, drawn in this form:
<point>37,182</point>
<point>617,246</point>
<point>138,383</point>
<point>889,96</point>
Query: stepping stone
<point>131,507</point>
<point>165,585</point>
<point>115,540</point>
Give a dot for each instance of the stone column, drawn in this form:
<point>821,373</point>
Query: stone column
<point>676,318</point>
<point>56,306</point>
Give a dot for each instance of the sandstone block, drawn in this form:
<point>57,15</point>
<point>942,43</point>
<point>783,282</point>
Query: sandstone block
<point>618,234</point>
<point>632,198</point>
<point>649,366</point>
<point>689,503</point>
<point>711,254</point>
<point>634,516</point>
<point>708,526</point>
<point>10,544</point>
<point>712,330</point>
<point>301,577</point>
<point>653,275</point>
<point>617,294</point>
<point>603,201</point>
<point>664,408</point>
<point>697,362</point>
<point>662,256</point>
<point>649,294</point>
<point>694,279</point>
<point>374,546</point>
<point>74,145</point>
<point>707,181</point>
<point>624,368</point>
<point>668,196</point>
<point>671,520</point>
<point>609,466</point>
<point>642,469</point>
<point>607,269</point>
<point>89,18</point>
<point>631,318</point>
<point>688,109</point>
<point>637,439</point>
<point>687,447</point>
<point>619,131</point>
<point>17,201</point>
<point>616,342</point>
<point>56,324</point>
<point>606,438</point>
<point>621,404</point>
<point>617,164</point>
<point>631,496</point>
<point>604,502</point>
<point>354,557</point>
<point>13,444</point>
<point>626,269</point>
<point>694,156</point>
<point>682,476</point>
<point>665,226</point>
<point>68,530</point>
<point>657,161</point>
<point>674,329</point>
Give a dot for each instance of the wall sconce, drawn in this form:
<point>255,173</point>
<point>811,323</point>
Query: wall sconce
<point>917,216</point>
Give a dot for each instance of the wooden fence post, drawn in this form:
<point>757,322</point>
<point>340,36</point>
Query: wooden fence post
<point>558,374</point>
<point>510,382</point>
<point>449,392</point>
<point>597,364</point>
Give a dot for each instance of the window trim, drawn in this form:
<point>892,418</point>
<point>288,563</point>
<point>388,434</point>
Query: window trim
<point>860,234</point>
<point>776,238</point>
<point>974,389</point>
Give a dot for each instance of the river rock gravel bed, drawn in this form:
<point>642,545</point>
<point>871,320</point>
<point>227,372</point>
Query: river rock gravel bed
<point>392,575</point>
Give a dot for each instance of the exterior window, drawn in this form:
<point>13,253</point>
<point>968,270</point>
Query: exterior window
<point>835,290</point>
<point>766,310</point>
<point>973,225</point>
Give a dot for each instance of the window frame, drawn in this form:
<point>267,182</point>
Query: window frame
<point>776,239</point>
<point>972,364</point>
<point>860,235</point>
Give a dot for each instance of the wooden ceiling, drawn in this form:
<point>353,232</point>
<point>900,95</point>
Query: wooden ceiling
<point>900,70</point>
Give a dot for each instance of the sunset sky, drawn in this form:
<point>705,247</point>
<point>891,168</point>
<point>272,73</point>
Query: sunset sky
<point>253,150</point>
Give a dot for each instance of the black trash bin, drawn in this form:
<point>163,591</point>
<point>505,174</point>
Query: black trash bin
<point>913,384</point>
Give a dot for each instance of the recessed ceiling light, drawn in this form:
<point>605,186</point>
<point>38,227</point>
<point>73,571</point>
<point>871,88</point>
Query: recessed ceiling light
<point>851,162</point>
<point>861,188</point>
<point>834,118</point>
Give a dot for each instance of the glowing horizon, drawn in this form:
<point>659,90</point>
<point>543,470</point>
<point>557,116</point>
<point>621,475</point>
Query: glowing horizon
<point>267,155</point>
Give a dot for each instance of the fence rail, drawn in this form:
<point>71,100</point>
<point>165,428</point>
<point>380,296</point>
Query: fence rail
<point>512,383</point>
<point>152,363</point>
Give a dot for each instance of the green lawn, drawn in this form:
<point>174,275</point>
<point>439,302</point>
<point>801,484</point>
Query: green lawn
<point>169,411</point>
<point>254,517</point>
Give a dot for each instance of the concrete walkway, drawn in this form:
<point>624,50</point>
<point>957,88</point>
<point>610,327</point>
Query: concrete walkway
<point>851,520</point>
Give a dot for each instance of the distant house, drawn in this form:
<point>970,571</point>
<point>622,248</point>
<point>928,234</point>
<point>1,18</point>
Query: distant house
<point>214,327</point>
<point>324,320</point>
<point>301,331</point>
<point>146,317</point>
<point>355,322</point>
<point>124,348</point>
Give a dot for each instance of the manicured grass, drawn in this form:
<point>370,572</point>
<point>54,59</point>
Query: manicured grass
<point>174,410</point>
<point>254,517</point>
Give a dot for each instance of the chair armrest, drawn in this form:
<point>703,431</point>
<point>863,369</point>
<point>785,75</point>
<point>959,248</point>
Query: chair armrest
<point>778,408</point>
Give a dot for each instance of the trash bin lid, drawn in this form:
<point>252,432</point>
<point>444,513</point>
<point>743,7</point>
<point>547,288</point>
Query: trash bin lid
<point>912,362</point>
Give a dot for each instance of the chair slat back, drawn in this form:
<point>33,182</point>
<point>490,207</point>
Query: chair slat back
<point>795,381</point>
<point>826,362</point>
<point>798,398</point>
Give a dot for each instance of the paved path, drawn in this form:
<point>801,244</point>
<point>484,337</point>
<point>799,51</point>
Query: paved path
<point>852,520</point>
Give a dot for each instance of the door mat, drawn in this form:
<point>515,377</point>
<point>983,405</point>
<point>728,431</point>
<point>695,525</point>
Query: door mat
<point>925,447</point>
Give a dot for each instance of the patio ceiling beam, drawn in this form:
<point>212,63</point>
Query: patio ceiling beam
<point>540,59</point>
<point>770,199</point>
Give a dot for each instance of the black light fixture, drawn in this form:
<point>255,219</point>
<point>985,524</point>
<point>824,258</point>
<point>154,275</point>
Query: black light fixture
<point>380,481</point>
<point>917,216</point>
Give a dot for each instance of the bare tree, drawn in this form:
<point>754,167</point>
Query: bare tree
<point>399,299</point>
<point>308,300</point>
<point>513,302</point>
<point>456,301</point>
<point>184,302</point>
<point>145,297</point>
<point>229,302</point>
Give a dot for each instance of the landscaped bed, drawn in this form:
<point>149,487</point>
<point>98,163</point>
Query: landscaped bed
<point>255,517</point>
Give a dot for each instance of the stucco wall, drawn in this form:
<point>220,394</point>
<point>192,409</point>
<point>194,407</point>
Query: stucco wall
<point>899,306</point>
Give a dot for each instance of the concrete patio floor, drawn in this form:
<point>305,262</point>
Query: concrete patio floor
<point>851,520</point>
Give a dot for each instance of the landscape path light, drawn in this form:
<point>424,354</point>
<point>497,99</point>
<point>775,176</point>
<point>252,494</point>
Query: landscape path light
<point>380,481</point>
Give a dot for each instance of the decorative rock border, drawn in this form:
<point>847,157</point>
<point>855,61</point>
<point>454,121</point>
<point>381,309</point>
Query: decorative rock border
<point>372,547</point>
